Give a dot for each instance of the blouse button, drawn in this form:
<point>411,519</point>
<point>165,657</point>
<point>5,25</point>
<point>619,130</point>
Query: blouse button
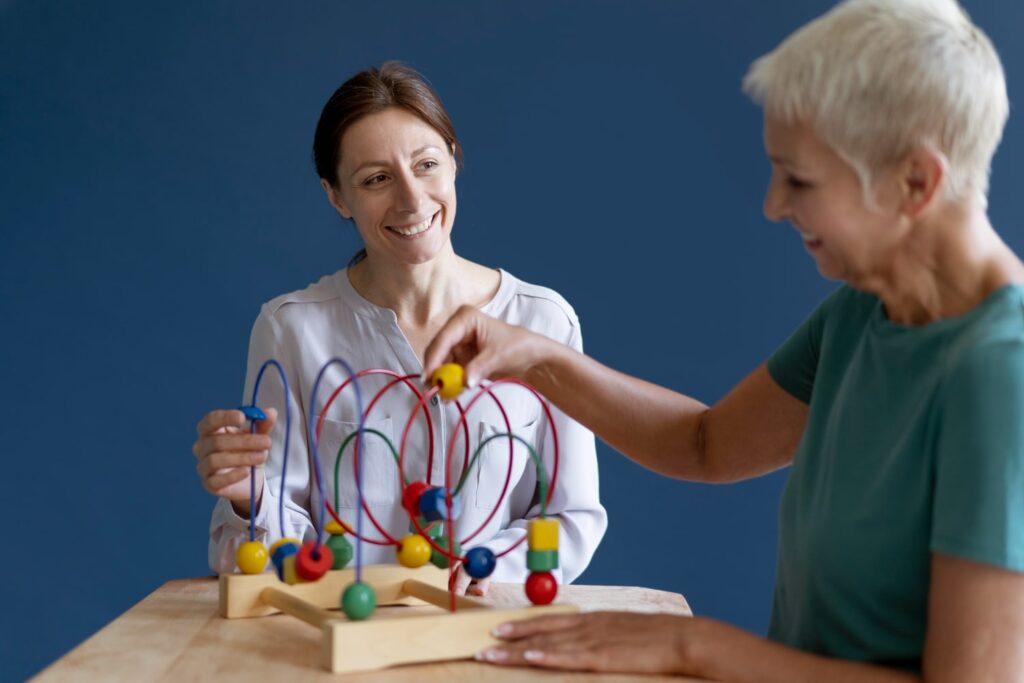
<point>434,400</point>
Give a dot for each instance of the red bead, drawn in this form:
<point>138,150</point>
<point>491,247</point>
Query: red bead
<point>411,496</point>
<point>312,562</point>
<point>541,588</point>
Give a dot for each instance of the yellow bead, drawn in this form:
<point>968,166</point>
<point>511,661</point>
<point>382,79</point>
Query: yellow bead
<point>543,534</point>
<point>252,557</point>
<point>335,529</point>
<point>414,551</point>
<point>281,541</point>
<point>288,571</point>
<point>450,378</point>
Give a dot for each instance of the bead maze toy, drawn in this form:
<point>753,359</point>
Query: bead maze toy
<point>309,577</point>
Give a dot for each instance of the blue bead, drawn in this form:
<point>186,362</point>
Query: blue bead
<point>480,563</point>
<point>253,413</point>
<point>432,505</point>
<point>283,551</point>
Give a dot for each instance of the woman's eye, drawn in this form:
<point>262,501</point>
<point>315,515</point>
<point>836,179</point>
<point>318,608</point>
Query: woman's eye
<point>428,164</point>
<point>375,180</point>
<point>797,183</point>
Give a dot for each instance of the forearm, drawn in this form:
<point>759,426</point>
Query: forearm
<point>720,652</point>
<point>658,428</point>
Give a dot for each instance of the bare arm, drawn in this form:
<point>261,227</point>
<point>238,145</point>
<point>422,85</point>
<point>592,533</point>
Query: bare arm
<point>975,633</point>
<point>753,430</point>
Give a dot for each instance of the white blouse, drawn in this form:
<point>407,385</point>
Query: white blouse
<point>305,329</point>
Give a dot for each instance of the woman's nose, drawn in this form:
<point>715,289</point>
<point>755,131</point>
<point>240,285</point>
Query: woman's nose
<point>409,196</point>
<point>776,206</point>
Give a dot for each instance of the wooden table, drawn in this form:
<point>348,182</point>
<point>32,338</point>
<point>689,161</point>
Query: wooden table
<point>175,634</point>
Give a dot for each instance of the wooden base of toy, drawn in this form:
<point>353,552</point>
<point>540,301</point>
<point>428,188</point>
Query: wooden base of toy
<point>350,646</point>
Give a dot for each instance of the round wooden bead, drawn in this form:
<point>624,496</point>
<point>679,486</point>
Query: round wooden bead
<point>541,560</point>
<point>341,549</point>
<point>414,551</point>
<point>433,504</point>
<point>251,557</point>
<point>411,496</point>
<point>480,562</point>
<point>313,561</point>
<point>440,560</point>
<point>541,588</point>
<point>358,601</point>
<point>288,574</point>
<point>450,377</point>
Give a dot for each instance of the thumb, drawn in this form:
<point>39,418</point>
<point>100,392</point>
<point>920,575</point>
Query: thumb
<point>264,426</point>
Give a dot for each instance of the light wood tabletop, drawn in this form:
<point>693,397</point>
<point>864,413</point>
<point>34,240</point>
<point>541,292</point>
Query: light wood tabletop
<point>176,634</point>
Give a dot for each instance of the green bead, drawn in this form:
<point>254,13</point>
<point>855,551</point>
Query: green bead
<point>358,601</point>
<point>440,560</point>
<point>541,560</point>
<point>342,550</point>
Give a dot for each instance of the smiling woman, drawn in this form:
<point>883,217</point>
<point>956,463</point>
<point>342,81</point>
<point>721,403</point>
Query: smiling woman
<point>387,155</point>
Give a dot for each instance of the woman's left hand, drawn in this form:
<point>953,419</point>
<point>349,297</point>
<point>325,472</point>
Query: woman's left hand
<point>466,585</point>
<point>598,641</point>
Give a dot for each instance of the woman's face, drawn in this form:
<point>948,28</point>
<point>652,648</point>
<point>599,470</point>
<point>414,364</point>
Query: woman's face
<point>396,180</point>
<point>821,196</point>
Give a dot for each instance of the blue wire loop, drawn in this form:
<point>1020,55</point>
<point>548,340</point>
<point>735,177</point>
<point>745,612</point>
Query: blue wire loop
<point>256,415</point>
<point>359,461</point>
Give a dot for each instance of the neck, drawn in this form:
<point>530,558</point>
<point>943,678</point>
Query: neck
<point>417,293</point>
<point>944,266</point>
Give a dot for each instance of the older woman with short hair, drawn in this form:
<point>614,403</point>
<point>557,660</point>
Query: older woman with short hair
<point>898,402</point>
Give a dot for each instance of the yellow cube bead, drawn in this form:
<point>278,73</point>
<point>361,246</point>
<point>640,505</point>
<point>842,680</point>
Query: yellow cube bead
<point>543,534</point>
<point>290,577</point>
<point>450,377</point>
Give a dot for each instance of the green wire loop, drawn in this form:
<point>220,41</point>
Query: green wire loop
<point>341,454</point>
<point>542,475</point>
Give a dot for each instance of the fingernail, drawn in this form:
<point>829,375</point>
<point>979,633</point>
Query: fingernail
<point>533,656</point>
<point>501,630</point>
<point>470,381</point>
<point>492,654</point>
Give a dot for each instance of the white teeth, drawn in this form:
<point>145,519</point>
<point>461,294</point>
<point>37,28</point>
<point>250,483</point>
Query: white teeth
<point>410,230</point>
<point>806,237</point>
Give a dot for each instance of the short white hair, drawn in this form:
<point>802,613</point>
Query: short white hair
<point>878,78</point>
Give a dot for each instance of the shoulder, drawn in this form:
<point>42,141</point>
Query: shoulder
<point>298,309</point>
<point>989,351</point>
<point>326,289</point>
<point>538,308</point>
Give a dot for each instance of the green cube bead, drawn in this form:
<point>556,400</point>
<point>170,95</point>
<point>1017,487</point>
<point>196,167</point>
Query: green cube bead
<point>342,551</point>
<point>440,560</point>
<point>541,560</point>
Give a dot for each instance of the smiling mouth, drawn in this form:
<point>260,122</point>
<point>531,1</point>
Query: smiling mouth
<point>414,230</point>
<point>809,240</point>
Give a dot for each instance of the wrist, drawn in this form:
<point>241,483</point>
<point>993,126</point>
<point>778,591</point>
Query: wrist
<point>547,355</point>
<point>694,642</point>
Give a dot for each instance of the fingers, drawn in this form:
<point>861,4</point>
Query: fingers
<point>220,481</point>
<point>459,330</point>
<point>515,630</point>
<point>462,581</point>
<point>219,419</point>
<point>229,459</point>
<point>243,441</point>
<point>265,426</point>
<point>478,587</point>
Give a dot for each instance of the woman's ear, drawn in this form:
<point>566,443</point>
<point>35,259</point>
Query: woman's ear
<point>923,173</point>
<point>334,197</point>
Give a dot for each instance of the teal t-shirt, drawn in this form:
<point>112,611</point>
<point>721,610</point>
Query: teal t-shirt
<point>914,445</point>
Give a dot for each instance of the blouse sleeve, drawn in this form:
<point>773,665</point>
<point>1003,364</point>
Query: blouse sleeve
<point>290,512</point>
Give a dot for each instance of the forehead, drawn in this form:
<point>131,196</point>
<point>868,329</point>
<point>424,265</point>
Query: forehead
<point>796,143</point>
<point>392,134</point>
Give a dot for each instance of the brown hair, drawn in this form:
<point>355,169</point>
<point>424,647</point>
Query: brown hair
<point>392,84</point>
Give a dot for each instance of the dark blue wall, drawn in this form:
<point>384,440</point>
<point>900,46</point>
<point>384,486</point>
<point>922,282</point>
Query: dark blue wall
<point>156,187</point>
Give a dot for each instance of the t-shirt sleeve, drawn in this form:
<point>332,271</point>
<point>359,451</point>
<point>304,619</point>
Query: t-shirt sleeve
<point>794,365</point>
<point>978,507</point>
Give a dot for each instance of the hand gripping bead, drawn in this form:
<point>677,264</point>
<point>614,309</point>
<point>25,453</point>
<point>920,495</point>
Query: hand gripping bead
<point>358,601</point>
<point>480,562</point>
<point>414,551</point>
<point>313,561</point>
<point>433,504</point>
<point>541,588</point>
<point>252,557</point>
<point>253,413</point>
<point>450,377</point>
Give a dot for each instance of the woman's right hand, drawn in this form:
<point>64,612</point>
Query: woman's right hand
<point>486,347</point>
<point>225,450</point>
